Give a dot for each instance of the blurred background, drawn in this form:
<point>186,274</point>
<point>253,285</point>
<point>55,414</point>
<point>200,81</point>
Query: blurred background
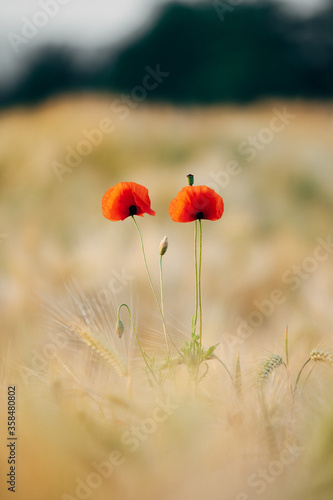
<point>93,94</point>
<point>238,93</point>
<point>216,51</point>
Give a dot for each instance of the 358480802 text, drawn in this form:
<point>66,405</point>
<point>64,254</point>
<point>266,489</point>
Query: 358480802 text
<point>11,440</point>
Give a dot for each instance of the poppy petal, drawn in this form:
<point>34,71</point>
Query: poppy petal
<point>196,202</point>
<point>126,199</point>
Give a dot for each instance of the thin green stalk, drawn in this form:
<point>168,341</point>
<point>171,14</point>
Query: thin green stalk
<point>151,284</point>
<point>137,339</point>
<point>199,279</point>
<point>308,376</point>
<point>225,367</point>
<point>300,372</point>
<point>162,307</point>
<point>145,261</point>
<point>287,361</point>
<point>196,273</point>
<point>287,347</point>
<point>238,377</point>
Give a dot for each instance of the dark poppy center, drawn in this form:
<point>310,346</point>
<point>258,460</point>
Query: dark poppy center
<point>132,210</point>
<point>199,215</point>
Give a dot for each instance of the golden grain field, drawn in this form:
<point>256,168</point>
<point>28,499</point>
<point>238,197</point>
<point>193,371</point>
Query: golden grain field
<point>87,429</point>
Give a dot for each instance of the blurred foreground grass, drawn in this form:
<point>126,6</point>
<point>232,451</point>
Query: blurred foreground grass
<point>72,412</point>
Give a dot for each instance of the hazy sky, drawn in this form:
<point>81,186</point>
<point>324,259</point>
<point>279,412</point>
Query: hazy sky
<point>81,22</point>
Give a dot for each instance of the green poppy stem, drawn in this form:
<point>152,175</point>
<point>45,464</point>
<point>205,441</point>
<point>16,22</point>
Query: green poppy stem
<point>198,266</point>
<point>162,307</point>
<point>196,273</point>
<point>199,279</point>
<point>152,286</point>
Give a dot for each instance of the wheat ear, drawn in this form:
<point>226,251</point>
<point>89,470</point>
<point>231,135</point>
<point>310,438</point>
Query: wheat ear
<point>318,357</point>
<point>321,356</point>
<point>266,368</point>
<point>101,347</point>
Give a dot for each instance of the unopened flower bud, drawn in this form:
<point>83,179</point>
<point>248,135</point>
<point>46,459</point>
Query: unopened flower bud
<point>120,328</point>
<point>163,245</point>
<point>190,179</point>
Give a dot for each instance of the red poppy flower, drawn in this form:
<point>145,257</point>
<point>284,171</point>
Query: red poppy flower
<point>126,199</point>
<point>196,202</point>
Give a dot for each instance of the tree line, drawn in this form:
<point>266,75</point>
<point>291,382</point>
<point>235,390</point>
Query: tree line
<point>211,54</point>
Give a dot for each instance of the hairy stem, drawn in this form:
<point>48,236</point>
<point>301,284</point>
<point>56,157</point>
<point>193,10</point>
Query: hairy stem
<point>162,307</point>
<point>199,280</point>
<point>152,286</point>
<point>196,274</point>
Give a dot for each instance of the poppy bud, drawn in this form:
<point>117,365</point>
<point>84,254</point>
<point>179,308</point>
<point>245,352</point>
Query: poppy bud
<point>190,179</point>
<point>120,328</point>
<point>163,245</point>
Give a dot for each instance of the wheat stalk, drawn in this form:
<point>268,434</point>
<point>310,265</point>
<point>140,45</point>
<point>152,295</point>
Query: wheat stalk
<point>318,357</point>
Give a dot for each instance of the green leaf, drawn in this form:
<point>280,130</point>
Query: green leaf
<point>210,351</point>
